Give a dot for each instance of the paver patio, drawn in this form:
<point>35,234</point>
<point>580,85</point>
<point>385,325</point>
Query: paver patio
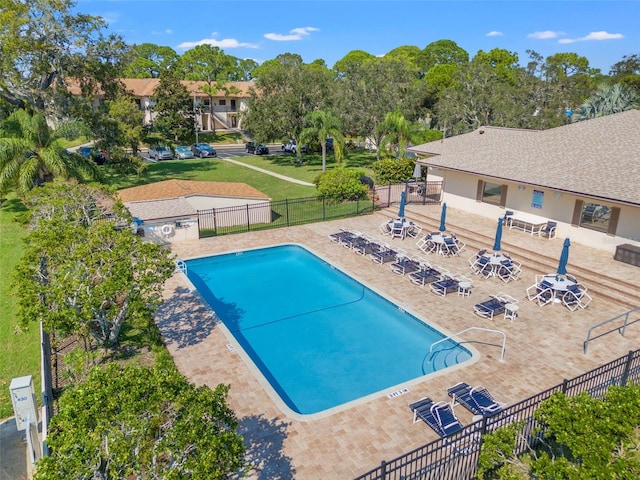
<point>544,346</point>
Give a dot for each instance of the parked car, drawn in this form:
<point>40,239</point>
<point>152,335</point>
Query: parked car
<point>203,150</point>
<point>159,152</point>
<point>183,152</point>
<point>92,153</point>
<point>258,149</point>
<point>250,147</point>
<point>290,147</point>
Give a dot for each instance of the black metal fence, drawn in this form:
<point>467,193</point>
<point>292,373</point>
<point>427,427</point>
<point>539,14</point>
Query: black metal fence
<point>298,211</point>
<point>456,457</point>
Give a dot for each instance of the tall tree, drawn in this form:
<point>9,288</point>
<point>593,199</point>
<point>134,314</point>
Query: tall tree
<point>208,64</point>
<point>286,91</point>
<point>373,89</point>
<point>173,108</point>
<point>40,41</point>
<point>441,52</point>
<point>32,154</point>
<point>142,422</point>
<point>627,70</point>
<point>320,125</point>
<point>80,274</point>
<point>394,131</point>
<point>149,60</point>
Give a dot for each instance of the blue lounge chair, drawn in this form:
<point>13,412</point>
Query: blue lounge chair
<point>477,400</point>
<point>489,308</point>
<point>384,256</point>
<point>442,287</point>
<point>425,275</point>
<point>405,265</point>
<point>439,416</point>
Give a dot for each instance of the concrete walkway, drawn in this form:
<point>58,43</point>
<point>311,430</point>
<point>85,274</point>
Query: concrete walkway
<point>13,452</point>
<point>267,172</point>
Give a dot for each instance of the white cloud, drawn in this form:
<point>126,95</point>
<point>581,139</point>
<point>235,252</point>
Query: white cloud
<point>547,34</point>
<point>295,34</point>
<point>495,33</point>
<point>168,31</point>
<point>224,43</point>
<point>602,35</point>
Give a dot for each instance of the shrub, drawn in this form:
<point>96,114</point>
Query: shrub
<point>341,184</point>
<point>394,170</point>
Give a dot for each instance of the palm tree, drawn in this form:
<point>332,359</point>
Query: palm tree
<point>31,154</point>
<point>610,99</point>
<point>323,124</point>
<point>395,130</point>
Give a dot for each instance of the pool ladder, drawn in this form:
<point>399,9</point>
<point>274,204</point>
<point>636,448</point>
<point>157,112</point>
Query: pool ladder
<point>181,266</point>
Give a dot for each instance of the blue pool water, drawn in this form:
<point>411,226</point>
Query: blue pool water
<point>318,336</point>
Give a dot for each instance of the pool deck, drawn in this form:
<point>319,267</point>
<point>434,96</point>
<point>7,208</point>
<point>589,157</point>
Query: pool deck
<point>543,346</point>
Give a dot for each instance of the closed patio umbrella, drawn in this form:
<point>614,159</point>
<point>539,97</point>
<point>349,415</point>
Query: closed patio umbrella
<point>443,216</point>
<point>564,257</point>
<point>417,171</point>
<point>403,200</point>
<point>496,243</point>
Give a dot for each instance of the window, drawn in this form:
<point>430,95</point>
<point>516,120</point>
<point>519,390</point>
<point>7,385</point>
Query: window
<point>222,103</point>
<point>492,193</point>
<point>595,216</point>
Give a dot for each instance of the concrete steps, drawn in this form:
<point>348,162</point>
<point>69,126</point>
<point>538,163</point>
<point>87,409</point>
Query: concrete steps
<point>613,289</point>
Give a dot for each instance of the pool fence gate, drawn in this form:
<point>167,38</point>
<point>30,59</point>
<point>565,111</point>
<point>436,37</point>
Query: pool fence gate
<point>456,457</point>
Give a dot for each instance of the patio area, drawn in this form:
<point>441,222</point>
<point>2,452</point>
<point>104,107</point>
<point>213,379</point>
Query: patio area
<point>544,345</point>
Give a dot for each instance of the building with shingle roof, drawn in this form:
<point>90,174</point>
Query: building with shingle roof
<point>221,107</point>
<point>564,174</point>
<point>173,205</point>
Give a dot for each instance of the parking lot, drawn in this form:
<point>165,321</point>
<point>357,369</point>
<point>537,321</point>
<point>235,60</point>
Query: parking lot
<point>226,151</point>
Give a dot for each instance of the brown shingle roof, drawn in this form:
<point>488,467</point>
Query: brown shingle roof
<point>144,87</point>
<point>595,158</point>
<point>184,188</point>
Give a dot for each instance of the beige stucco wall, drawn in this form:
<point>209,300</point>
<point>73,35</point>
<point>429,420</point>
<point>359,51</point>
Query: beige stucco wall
<point>460,192</point>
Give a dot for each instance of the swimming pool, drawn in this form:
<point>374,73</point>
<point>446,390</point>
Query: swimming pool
<point>319,337</point>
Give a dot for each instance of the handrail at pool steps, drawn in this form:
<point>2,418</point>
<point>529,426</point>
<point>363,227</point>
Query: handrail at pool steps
<point>181,265</point>
<point>450,337</point>
<point>620,330</point>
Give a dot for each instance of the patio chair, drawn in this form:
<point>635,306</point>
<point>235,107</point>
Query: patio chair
<point>450,246</point>
<point>507,216</point>
<point>576,297</point>
<point>477,400</point>
<point>549,230</point>
<point>542,293</point>
<point>385,228</point>
<point>414,230</point>
<point>509,270</point>
<point>444,286</point>
<point>426,244</point>
<point>398,230</point>
<point>405,265</point>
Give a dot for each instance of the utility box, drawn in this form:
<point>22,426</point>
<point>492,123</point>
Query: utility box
<point>23,398</point>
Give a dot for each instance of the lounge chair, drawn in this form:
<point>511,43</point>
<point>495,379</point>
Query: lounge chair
<point>405,265</point>
<point>367,248</point>
<point>494,306</point>
<point>354,240</point>
<point>489,308</point>
<point>442,287</point>
<point>337,237</point>
<point>477,400</point>
<point>385,255</point>
<point>439,416</point>
<point>426,274</point>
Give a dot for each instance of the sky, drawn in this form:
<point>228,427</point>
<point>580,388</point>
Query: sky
<point>603,31</point>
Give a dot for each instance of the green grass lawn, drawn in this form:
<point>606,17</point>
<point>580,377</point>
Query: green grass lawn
<point>214,170</point>
<point>19,352</point>
<point>285,164</point>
